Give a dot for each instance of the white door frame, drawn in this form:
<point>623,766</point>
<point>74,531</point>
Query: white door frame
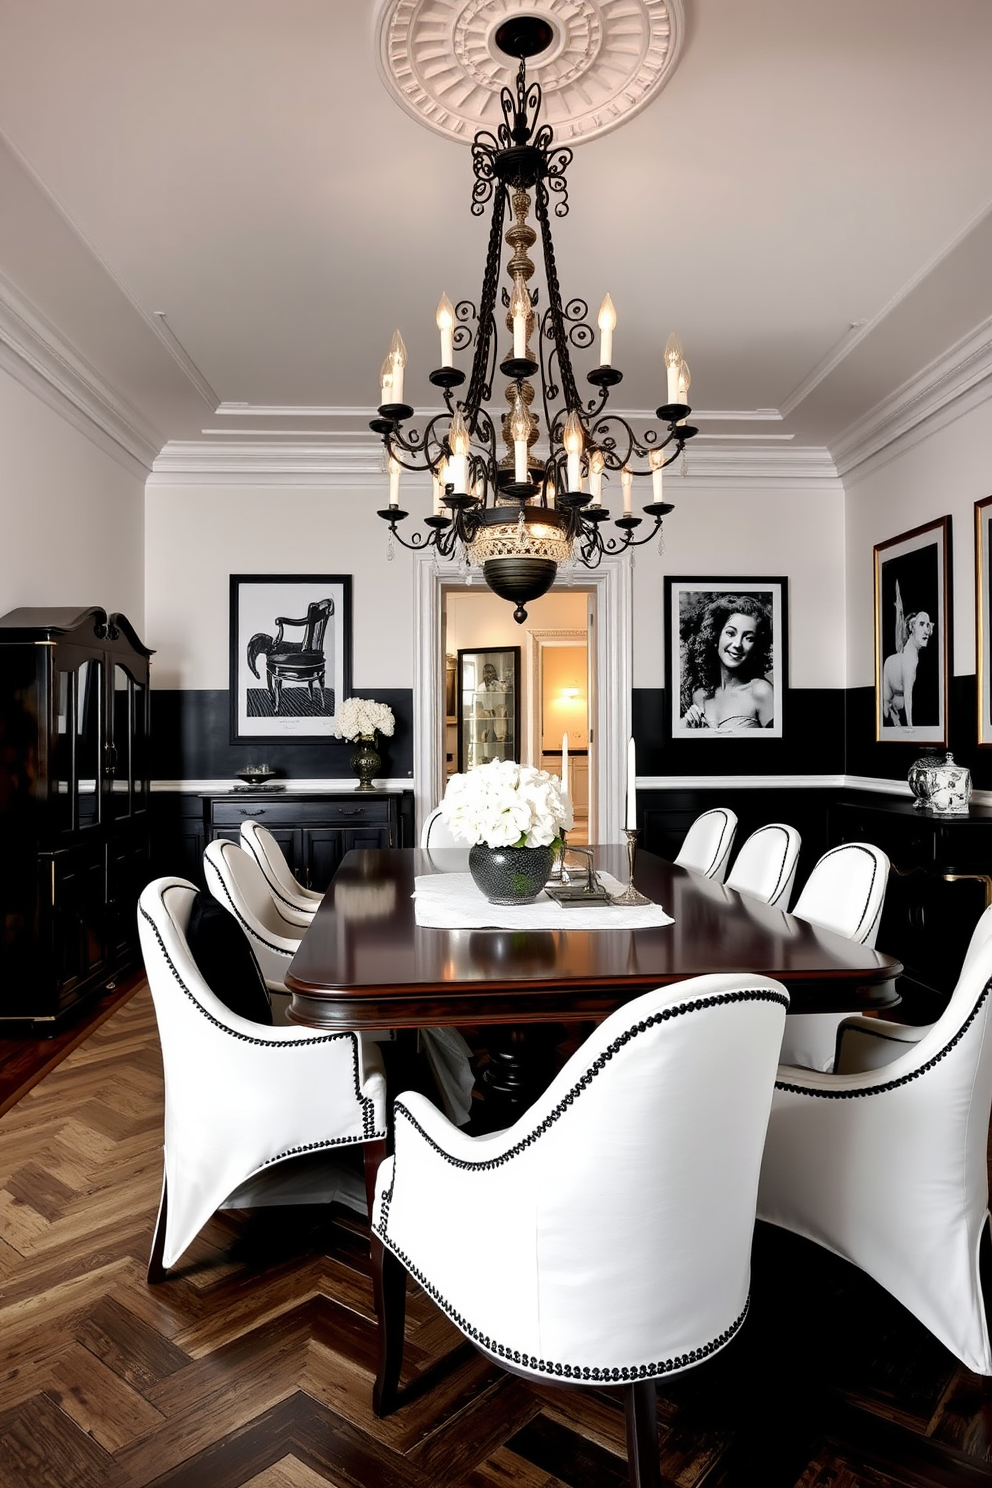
<point>611,724</point>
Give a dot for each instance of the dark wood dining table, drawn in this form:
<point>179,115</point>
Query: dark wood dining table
<point>365,963</point>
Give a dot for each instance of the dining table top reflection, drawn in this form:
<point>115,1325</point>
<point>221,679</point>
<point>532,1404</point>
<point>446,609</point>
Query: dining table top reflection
<point>365,963</point>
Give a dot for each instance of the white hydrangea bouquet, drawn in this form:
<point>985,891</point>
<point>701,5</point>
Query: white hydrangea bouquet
<point>503,804</point>
<point>361,718</point>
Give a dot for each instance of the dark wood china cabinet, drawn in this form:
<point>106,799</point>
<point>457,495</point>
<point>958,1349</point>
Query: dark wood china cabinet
<point>74,733</point>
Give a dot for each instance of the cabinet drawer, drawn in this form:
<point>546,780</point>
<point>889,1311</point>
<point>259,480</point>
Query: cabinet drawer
<point>301,813</point>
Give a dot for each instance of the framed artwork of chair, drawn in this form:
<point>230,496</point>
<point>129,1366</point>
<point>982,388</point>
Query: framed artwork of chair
<point>290,655</point>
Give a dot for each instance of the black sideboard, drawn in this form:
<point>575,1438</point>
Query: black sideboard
<point>940,882</point>
<point>314,828</point>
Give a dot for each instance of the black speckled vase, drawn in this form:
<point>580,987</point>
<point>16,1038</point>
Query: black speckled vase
<point>510,875</point>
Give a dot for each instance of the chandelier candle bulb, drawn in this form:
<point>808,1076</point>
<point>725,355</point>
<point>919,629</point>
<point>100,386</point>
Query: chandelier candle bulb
<point>397,360</point>
<point>519,433</point>
<point>573,440</point>
<point>446,325</point>
<point>631,822</point>
<point>394,481</point>
<point>673,363</point>
<point>607,325</point>
<point>656,460</point>
<point>596,466</point>
<point>627,482</point>
<point>458,464</point>
<point>520,310</point>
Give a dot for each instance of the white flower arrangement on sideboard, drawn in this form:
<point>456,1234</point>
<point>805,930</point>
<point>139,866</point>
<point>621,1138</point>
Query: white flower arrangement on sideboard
<point>362,718</point>
<point>503,804</point>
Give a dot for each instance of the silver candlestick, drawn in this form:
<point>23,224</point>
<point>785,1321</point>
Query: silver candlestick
<point>630,895</point>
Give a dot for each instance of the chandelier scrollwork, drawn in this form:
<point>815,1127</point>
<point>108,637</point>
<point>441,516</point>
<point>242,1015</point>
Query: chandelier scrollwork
<point>516,513</point>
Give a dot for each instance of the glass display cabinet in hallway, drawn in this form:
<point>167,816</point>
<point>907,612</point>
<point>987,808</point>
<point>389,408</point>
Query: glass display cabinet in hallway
<point>488,705</point>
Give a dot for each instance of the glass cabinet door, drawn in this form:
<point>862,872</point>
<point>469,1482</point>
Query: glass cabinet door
<point>488,705</point>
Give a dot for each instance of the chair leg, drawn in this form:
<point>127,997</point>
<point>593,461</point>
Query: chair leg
<point>389,1295</point>
<point>156,1271</point>
<point>641,1411</point>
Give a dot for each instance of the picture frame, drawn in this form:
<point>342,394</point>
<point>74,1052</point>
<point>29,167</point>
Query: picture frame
<point>741,695</point>
<point>290,655</point>
<point>912,635</point>
<point>983,617</point>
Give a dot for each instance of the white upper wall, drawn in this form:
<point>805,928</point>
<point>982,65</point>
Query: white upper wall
<point>752,530</point>
<point>197,536</point>
<point>73,518</point>
<point>942,473</point>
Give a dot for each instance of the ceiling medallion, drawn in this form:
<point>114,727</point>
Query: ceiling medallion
<point>605,59</point>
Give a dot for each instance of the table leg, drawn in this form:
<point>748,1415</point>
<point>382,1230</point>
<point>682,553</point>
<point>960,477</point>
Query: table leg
<point>521,1066</point>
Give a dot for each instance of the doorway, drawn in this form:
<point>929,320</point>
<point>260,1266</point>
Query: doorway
<point>605,594</point>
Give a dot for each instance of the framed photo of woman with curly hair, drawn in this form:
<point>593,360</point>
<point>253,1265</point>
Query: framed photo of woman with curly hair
<point>726,657</point>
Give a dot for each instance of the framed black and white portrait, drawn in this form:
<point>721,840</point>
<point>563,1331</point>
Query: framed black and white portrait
<point>912,635</point>
<point>983,614</point>
<point>290,655</point>
<point>726,657</point>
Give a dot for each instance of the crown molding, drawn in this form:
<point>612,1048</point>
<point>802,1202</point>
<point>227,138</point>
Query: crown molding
<point>355,455</point>
<point>40,360</point>
<point>947,389</point>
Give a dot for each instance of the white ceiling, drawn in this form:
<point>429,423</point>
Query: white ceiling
<point>216,203</point>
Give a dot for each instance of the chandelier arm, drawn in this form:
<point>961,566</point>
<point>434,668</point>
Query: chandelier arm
<point>484,362</point>
<point>419,541</point>
<point>572,399</point>
<point>417,444</point>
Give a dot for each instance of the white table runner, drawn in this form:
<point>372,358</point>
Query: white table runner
<point>451,901</point>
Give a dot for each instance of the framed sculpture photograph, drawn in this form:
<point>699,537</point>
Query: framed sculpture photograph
<point>912,635</point>
<point>290,655</point>
<point>983,612</point>
<point>726,657</point>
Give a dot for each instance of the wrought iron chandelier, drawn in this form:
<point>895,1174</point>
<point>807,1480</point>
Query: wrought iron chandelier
<point>514,513</point>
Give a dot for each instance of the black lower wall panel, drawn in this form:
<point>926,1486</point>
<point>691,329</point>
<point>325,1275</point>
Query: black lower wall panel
<point>191,740</point>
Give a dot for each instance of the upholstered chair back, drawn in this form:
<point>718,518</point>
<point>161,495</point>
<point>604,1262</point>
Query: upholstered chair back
<point>239,1096</point>
<point>888,1165</point>
<point>292,899</point>
<point>707,844</point>
<point>236,881</point>
<point>765,867</point>
<point>619,1209</point>
<point>846,891</point>
<point>436,833</point>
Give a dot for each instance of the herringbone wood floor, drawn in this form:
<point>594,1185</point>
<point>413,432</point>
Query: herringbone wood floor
<point>253,1364</point>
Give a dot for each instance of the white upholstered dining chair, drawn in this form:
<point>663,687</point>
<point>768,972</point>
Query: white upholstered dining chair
<point>845,893</point>
<point>254,1114</point>
<point>765,867</point>
<point>436,832</point>
<point>619,1208</point>
<point>707,844</point>
<point>237,882</point>
<point>884,1161</point>
<point>291,896</point>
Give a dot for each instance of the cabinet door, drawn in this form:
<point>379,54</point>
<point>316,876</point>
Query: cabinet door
<point>125,750</point>
<point>324,847</point>
<point>128,870</point>
<point>76,916</point>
